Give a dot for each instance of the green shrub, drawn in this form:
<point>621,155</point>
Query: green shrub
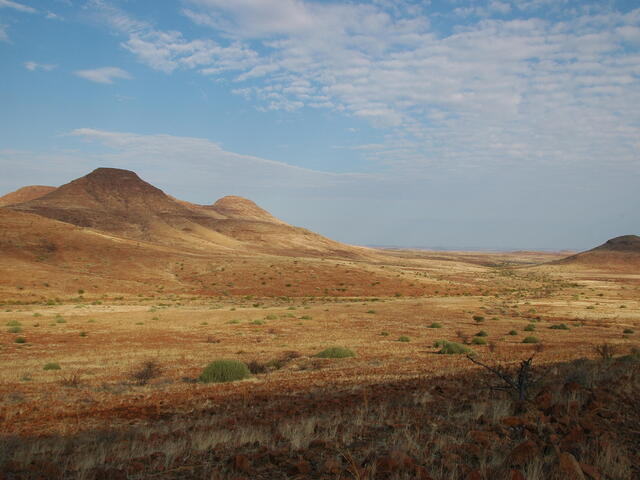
<point>224,371</point>
<point>257,322</point>
<point>336,352</point>
<point>439,343</point>
<point>14,329</point>
<point>629,331</point>
<point>531,339</point>
<point>513,332</point>
<point>559,326</point>
<point>478,341</point>
<point>20,340</point>
<point>481,333</point>
<point>478,318</point>
<point>371,311</point>
<point>403,338</point>
<point>305,317</point>
<point>384,333</point>
<point>51,366</point>
<point>435,325</point>
<point>453,348</point>
<point>13,323</point>
<point>530,328</point>
<point>271,317</point>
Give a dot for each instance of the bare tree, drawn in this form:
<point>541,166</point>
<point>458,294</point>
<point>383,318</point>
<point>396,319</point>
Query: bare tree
<point>519,383</point>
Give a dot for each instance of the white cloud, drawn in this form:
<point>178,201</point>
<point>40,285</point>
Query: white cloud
<point>17,6</point>
<point>4,36</point>
<point>103,74</point>
<point>491,90</point>
<point>33,66</point>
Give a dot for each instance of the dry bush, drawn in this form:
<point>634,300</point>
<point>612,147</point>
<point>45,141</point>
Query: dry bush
<point>72,380</point>
<point>149,370</point>
<point>605,350</point>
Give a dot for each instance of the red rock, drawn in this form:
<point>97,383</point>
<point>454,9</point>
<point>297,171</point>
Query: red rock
<point>517,475</point>
<point>422,474</point>
<point>570,468</point>
<point>575,436</point>
<point>241,463</point>
<point>483,438</point>
<point>592,472</point>
<point>512,421</point>
<point>301,467</point>
<point>474,475</point>
<point>523,453</point>
<point>331,465</point>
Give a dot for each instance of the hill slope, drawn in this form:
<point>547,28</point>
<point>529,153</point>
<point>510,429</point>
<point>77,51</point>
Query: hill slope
<point>619,254</point>
<point>25,194</point>
<point>119,202</point>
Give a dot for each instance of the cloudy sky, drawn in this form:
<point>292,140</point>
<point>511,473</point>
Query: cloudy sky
<point>450,123</point>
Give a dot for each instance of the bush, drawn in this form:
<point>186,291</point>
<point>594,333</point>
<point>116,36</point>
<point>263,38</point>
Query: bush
<point>530,328</point>
<point>21,340</point>
<point>336,352</point>
<point>453,348</point>
<point>148,370</point>
<point>14,329</point>
<point>513,332</point>
<point>628,331</point>
<point>271,317</point>
<point>384,333</point>
<point>439,343</point>
<point>51,366</point>
<point>404,338</point>
<point>435,325</point>
<point>481,333</point>
<point>224,371</point>
<point>478,341</point>
<point>478,318</point>
<point>13,323</point>
<point>559,326</point>
<point>531,339</point>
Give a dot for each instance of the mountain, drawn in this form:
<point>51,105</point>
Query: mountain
<point>619,254</point>
<point>25,194</point>
<point>121,203</point>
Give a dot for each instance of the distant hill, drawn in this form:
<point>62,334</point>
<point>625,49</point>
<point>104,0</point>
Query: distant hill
<point>619,254</point>
<point>25,194</point>
<point>121,203</point>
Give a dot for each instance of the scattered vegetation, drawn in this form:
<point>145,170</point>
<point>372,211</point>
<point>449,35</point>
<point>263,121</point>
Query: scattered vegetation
<point>531,339</point>
<point>478,341</point>
<point>221,371</point>
<point>336,352</point>
<point>453,348</point>
<point>51,366</point>
<point>435,325</point>
<point>147,371</point>
<point>559,326</point>
<point>403,338</point>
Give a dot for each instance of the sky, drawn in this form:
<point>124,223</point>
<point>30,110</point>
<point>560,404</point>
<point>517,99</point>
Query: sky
<point>490,124</point>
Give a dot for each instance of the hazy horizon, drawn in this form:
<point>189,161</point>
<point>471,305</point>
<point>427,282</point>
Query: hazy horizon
<point>494,124</point>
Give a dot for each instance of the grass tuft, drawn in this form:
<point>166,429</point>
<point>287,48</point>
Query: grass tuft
<point>221,371</point>
<point>336,352</point>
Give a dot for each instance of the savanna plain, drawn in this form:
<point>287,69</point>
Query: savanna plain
<point>343,362</point>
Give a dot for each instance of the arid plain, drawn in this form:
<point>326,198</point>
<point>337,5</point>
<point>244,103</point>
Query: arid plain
<point>115,296</point>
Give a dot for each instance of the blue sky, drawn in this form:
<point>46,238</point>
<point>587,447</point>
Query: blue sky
<point>462,124</point>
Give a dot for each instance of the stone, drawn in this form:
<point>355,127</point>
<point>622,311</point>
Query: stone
<point>569,467</point>
<point>524,453</point>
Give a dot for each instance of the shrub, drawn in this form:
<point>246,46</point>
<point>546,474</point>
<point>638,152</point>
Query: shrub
<point>478,341</point>
<point>257,322</point>
<point>439,343</point>
<point>51,366</point>
<point>403,338</point>
<point>21,340</point>
<point>13,323</point>
<point>453,348</point>
<point>149,370</point>
<point>531,339</point>
<point>435,325</point>
<point>336,352</point>
<point>224,371</point>
<point>530,328</point>
<point>478,318</point>
<point>305,317</point>
<point>559,326</point>
<point>14,329</point>
<point>481,333</point>
<point>384,333</point>
<point>271,317</point>
<point>628,331</point>
<point>513,332</point>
